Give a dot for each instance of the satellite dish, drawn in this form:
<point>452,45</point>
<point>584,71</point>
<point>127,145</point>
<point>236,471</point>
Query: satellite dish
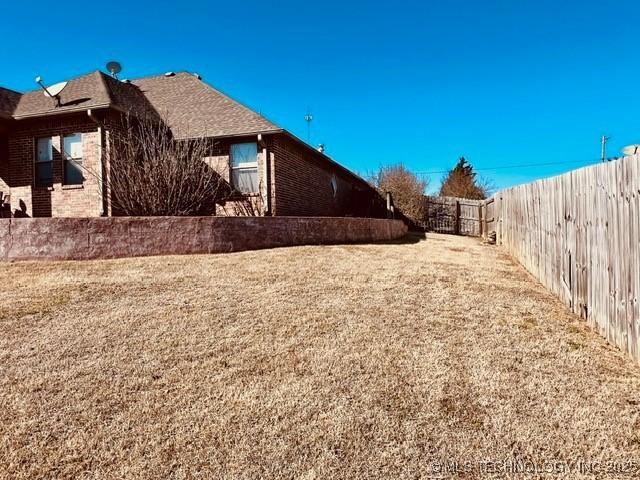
<point>115,68</point>
<point>54,90</point>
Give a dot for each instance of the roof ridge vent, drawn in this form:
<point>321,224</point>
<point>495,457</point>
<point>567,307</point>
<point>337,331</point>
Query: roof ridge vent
<point>170,74</point>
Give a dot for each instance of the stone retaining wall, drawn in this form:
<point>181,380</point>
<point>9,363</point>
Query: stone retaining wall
<point>114,237</point>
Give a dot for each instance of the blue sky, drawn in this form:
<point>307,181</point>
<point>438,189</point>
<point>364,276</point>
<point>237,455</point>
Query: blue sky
<point>501,82</point>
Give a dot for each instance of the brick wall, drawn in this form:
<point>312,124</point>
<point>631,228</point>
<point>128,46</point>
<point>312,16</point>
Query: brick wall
<point>4,163</point>
<point>58,200</point>
<point>294,180</point>
<point>297,181</point>
<point>113,237</point>
<point>219,160</point>
<point>303,184</point>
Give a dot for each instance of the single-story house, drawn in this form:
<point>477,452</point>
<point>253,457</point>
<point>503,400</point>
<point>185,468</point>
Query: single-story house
<point>46,145</point>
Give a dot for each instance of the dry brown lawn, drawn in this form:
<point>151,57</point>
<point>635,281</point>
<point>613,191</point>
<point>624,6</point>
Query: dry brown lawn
<point>359,361</point>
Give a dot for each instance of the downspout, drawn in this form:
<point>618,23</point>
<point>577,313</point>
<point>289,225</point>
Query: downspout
<point>266,168</point>
<point>100,162</point>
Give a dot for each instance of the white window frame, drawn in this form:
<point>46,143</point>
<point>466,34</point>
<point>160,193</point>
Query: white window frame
<point>39,161</point>
<point>78,161</point>
<point>240,166</point>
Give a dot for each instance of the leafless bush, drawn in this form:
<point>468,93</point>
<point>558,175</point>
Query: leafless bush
<point>152,174</point>
<point>406,189</point>
<point>239,205</point>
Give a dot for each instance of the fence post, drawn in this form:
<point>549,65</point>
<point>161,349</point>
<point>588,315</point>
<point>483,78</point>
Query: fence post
<point>485,230</point>
<point>456,229</point>
<point>426,212</point>
<point>480,220</point>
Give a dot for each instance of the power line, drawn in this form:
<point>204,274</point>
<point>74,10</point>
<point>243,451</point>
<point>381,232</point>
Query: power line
<point>502,167</point>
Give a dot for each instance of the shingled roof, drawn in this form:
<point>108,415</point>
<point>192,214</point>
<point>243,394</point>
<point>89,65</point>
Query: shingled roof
<point>95,90</point>
<point>190,107</point>
<point>8,102</point>
<point>88,91</point>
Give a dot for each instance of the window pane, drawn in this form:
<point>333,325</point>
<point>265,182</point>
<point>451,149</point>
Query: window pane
<point>245,179</point>
<point>45,150</point>
<point>73,146</point>
<point>73,172</point>
<point>243,154</point>
<point>44,173</point>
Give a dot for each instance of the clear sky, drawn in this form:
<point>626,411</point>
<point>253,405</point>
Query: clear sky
<point>501,82</point>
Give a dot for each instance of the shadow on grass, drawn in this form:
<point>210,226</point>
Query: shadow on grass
<point>410,238</point>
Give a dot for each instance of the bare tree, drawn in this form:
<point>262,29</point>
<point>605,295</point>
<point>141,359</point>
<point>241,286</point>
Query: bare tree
<point>406,189</point>
<point>150,173</point>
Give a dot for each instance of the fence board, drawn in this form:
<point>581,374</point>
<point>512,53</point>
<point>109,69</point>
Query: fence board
<point>579,234</point>
<point>460,216</point>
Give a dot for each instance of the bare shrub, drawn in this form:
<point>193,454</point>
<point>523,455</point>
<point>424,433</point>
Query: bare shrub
<point>406,189</point>
<point>243,205</point>
<point>152,174</point>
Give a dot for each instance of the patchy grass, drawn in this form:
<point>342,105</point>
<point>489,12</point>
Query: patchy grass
<point>353,361</point>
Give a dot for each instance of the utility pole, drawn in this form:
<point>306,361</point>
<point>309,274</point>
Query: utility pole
<point>603,147</point>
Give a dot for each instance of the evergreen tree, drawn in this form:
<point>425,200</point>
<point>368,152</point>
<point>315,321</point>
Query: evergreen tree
<point>461,181</point>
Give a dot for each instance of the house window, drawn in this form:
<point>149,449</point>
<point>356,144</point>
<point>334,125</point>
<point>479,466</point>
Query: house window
<point>244,167</point>
<point>44,162</point>
<point>72,150</point>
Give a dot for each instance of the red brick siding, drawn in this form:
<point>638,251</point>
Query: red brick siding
<point>218,158</point>
<point>57,200</point>
<point>220,161</point>
<point>298,182</point>
<point>302,184</point>
<point>4,164</point>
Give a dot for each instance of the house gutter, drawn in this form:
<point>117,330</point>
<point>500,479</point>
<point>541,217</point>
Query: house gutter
<point>91,115</point>
<point>233,135</point>
<point>65,111</point>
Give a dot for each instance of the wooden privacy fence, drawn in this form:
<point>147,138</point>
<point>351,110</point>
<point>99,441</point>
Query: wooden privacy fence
<point>459,216</point>
<point>579,234</point>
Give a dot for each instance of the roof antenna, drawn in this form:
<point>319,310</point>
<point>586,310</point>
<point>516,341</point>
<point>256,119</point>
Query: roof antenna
<point>308,118</point>
<point>115,68</point>
<point>53,91</point>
